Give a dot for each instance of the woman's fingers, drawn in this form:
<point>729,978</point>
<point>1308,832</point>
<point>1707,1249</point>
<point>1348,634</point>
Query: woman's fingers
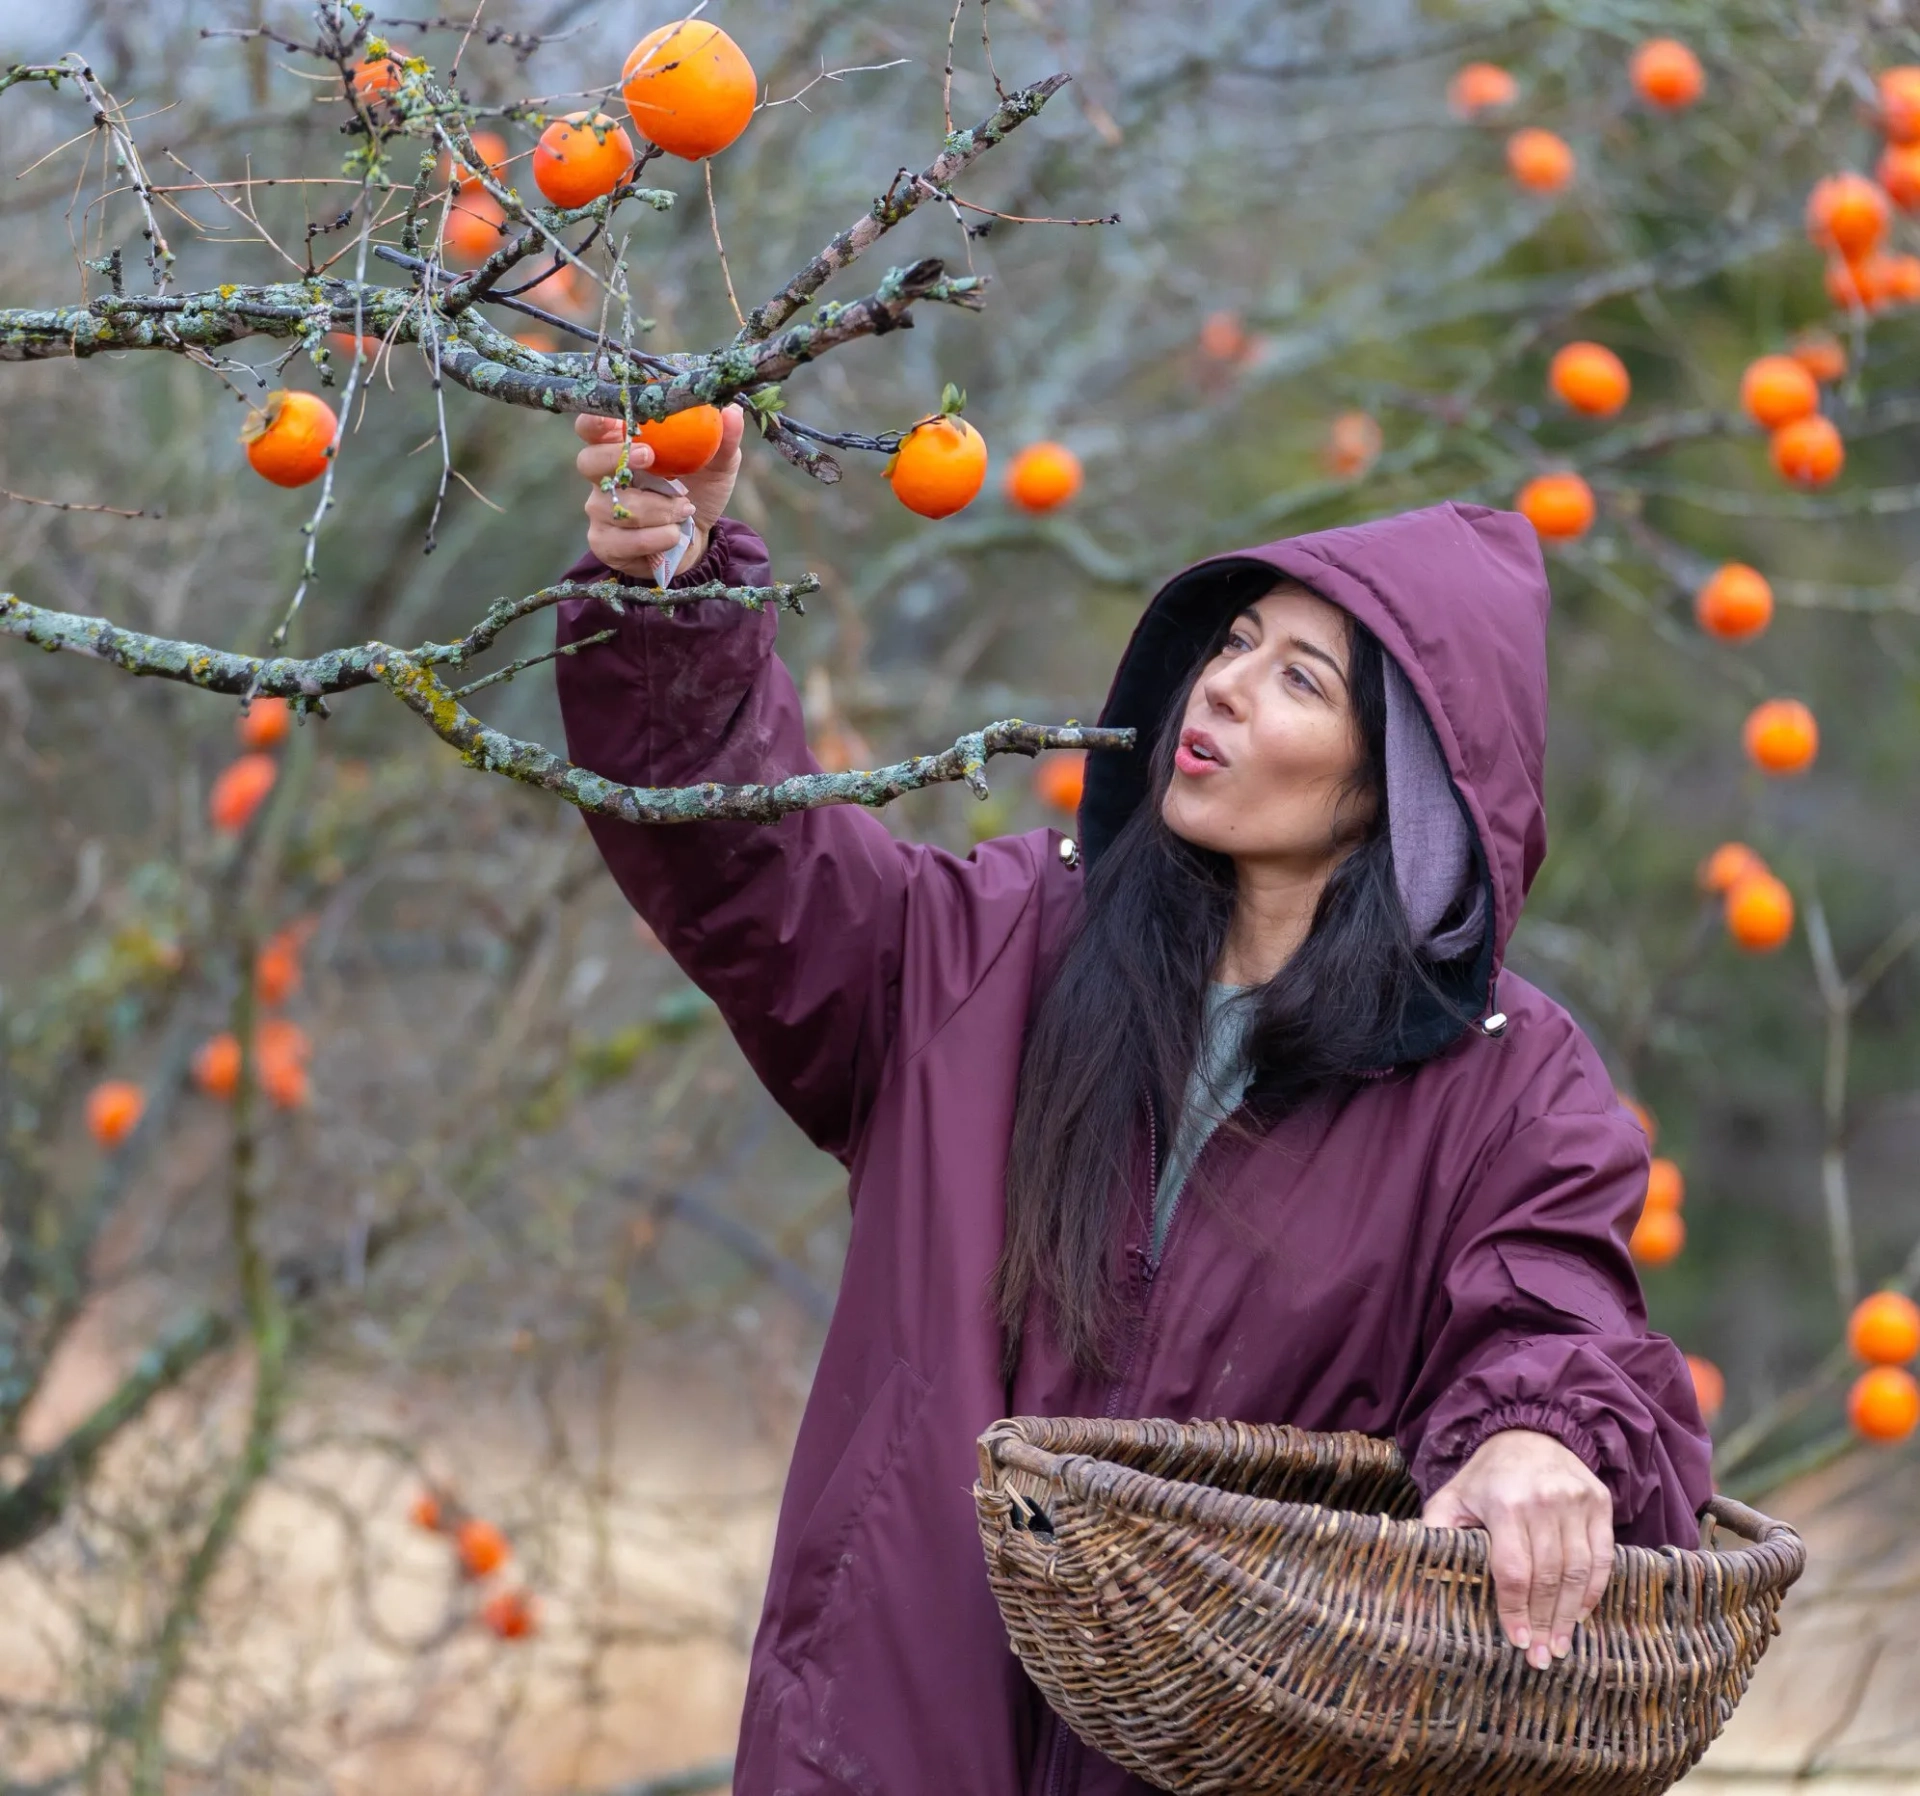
<point>589,427</point>
<point>1576,1571</point>
<point>1599,1551</point>
<point>1543,1587</point>
<point>639,509</point>
<point>599,460</point>
<point>1510,1559</point>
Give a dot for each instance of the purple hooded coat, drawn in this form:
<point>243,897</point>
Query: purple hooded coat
<point>1439,1255</point>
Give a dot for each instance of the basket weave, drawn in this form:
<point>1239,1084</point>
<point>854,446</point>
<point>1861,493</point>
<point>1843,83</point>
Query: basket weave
<point>1222,1606</point>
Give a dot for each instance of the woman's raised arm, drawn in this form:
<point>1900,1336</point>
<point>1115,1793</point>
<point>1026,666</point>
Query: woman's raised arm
<point>804,931</point>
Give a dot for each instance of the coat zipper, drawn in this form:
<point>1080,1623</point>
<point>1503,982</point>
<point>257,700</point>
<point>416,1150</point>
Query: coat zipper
<point>1058,1746</point>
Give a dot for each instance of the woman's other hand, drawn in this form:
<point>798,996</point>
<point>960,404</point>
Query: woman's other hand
<point>1549,1523</point>
<point>628,529</point>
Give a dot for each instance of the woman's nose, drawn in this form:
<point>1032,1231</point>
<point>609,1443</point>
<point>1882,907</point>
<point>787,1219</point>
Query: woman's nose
<point>1223,691</point>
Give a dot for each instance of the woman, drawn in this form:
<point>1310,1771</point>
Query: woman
<point>1290,903</point>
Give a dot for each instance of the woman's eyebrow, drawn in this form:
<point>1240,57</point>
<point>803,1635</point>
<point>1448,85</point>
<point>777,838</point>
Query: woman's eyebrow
<point>1319,654</point>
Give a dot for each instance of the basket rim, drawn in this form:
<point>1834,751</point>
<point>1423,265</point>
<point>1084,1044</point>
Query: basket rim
<point>1768,1546</point>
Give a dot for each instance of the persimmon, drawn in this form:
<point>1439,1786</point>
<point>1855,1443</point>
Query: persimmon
<point>289,438</point>
<point>1666,73</point>
<point>264,723</point>
<point>1558,506</point>
<point>114,1108</point>
<point>476,226</point>
<point>1642,1115</point>
<point>216,1065</point>
<point>1775,390</point>
<point>1590,378</point>
<point>239,791</point>
<point>1850,285</point>
<point>1898,172</point>
<point>1780,736</point>
<point>1884,1404</point>
<point>491,148</point>
<point>345,343</point>
<point>683,442</point>
<point>1894,280</point>
<point>689,88</point>
<point>537,338</point>
<point>1709,1387</point>
<point>1730,862</point>
<point>1043,477</point>
<point>939,467</point>
<point>425,1512</point>
<point>1884,1329</point>
<point>285,1083</point>
<point>1822,354</point>
<point>1352,445</point>
<point>1657,1237</point>
<point>1808,452</point>
<point>276,968</point>
<point>559,289</point>
<point>581,157</point>
<point>1060,779</point>
<point>1847,214</point>
<point>374,77</point>
<point>280,1039</point>
<point>481,1546</point>
<point>1480,87</point>
<point>1759,913</point>
<point>1224,338</point>
<point>1539,161</point>
<point>509,1614</point>
<point>1900,103</point>
<point>1666,1184</point>
<point>1735,603</point>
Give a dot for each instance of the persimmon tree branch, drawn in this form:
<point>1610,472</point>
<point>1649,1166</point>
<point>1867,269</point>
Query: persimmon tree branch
<point>410,675</point>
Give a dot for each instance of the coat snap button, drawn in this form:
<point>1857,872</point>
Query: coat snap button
<point>1069,852</point>
<point>1495,1024</point>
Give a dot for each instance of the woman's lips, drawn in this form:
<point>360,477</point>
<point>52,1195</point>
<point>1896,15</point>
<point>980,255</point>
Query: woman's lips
<point>1208,759</point>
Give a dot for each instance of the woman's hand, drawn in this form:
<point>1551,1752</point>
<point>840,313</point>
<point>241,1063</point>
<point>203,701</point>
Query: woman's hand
<point>629,529</point>
<point>1550,1526</point>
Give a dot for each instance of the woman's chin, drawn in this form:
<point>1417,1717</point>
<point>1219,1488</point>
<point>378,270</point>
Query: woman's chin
<point>1190,818</point>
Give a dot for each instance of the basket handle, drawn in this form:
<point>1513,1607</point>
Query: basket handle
<point>1749,1524</point>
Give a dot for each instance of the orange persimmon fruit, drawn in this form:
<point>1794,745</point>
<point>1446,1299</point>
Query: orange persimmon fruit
<point>216,1065</point>
<point>509,1614</point>
<point>1776,389</point>
<point>1899,90</point>
<point>1352,445</point>
<point>1822,354</point>
<point>1781,736</point>
<point>1666,1184</point>
<point>1059,779</point>
<point>289,438</point>
<point>264,723</point>
<point>1884,1404</point>
<point>1847,214</point>
<point>940,466</point>
<point>1043,477</point>
<point>1709,1387</point>
<point>1884,1329</point>
<point>1727,864</point>
<point>481,1546</point>
<point>1539,161</point>
<point>114,1108</point>
<point>684,441</point>
<point>1657,1237</point>
<point>239,791</point>
<point>689,88</point>
<point>1590,378</point>
<point>1480,87</point>
<point>1807,452</point>
<point>1558,506</point>
<point>581,157</point>
<point>1666,73</point>
<point>1759,913</point>
<point>1735,602</point>
<point>425,1512</point>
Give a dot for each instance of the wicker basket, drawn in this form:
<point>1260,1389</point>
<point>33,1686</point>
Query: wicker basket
<point>1221,1606</point>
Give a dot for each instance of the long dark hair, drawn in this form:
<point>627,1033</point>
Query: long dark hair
<point>1121,1013</point>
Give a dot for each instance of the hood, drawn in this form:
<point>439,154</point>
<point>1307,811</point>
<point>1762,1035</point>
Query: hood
<point>1457,595</point>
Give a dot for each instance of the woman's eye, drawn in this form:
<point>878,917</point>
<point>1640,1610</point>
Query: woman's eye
<point>1301,679</point>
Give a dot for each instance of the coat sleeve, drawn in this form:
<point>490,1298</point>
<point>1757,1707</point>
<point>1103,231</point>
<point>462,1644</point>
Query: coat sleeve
<point>1538,1322</point>
<point>802,931</point>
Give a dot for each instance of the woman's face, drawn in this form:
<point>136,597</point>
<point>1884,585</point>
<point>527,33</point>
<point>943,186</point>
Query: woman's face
<point>1270,741</point>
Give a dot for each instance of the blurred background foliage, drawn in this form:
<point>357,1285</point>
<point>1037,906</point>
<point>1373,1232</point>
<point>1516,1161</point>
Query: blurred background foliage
<point>534,1189</point>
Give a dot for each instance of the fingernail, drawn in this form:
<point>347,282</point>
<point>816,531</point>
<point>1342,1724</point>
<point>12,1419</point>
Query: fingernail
<point>683,510</point>
<point>1539,1657</point>
<point>1523,1637</point>
<point>1562,1645</point>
